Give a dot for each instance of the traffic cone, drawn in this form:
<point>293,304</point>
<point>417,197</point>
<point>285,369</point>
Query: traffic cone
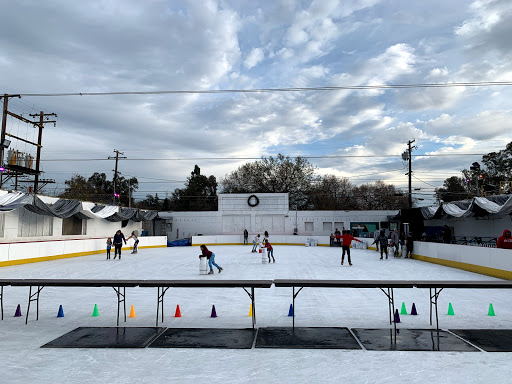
<point>450,310</point>
<point>132,312</point>
<point>397,317</point>
<point>491,310</point>
<point>61,312</point>
<point>95,313</point>
<point>413,310</point>
<point>250,311</point>
<point>290,311</point>
<point>214,313</point>
<point>18,312</point>
<point>178,312</point>
<point>403,311</point>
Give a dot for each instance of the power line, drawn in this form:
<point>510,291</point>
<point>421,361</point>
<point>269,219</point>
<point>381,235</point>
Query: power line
<point>271,90</point>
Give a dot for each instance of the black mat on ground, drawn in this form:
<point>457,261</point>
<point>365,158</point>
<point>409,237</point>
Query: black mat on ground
<point>410,340</point>
<point>107,337</point>
<point>490,340</point>
<point>306,337</point>
<point>205,338</point>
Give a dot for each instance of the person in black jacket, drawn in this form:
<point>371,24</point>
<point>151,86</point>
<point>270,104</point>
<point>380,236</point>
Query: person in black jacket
<point>383,243</point>
<point>118,243</point>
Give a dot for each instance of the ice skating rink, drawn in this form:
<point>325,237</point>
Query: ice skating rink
<point>23,361</point>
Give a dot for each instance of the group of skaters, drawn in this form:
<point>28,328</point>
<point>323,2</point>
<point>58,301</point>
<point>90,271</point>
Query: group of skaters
<point>263,243</point>
<point>118,243</point>
<point>401,244</point>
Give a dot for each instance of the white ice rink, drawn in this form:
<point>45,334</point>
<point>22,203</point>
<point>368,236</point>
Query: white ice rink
<point>23,361</point>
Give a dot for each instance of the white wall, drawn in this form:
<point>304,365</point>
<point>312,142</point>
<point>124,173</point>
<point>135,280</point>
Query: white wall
<point>40,249</point>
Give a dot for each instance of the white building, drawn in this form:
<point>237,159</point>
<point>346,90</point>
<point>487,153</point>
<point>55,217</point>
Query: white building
<point>267,212</point>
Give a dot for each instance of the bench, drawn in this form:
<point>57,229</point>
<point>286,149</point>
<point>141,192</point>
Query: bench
<point>380,284</point>
<point>164,285</point>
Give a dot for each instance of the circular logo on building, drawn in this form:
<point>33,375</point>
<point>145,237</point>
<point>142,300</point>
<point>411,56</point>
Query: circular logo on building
<point>253,201</point>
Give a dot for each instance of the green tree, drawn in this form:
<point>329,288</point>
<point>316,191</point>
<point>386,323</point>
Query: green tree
<point>77,188</point>
<point>199,194</point>
<point>279,174</point>
<point>379,196</point>
<point>454,188</point>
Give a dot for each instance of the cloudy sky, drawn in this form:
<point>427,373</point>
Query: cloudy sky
<point>149,46</point>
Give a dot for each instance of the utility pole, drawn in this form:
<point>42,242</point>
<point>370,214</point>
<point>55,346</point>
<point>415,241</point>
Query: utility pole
<point>41,124</point>
<point>2,135</point>
<point>407,155</point>
<point>115,170</point>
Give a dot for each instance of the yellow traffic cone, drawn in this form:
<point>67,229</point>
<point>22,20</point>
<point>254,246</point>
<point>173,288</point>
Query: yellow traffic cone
<point>132,312</point>
<point>250,311</point>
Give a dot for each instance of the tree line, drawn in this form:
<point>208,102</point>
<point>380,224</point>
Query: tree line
<point>480,179</point>
<point>279,174</point>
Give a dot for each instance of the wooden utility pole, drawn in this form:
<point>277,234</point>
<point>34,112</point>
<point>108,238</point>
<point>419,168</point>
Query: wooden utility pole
<point>40,125</point>
<point>115,170</point>
<point>2,134</point>
<point>409,150</point>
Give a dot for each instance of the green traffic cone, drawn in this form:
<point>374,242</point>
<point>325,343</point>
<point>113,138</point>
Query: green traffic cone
<point>95,313</point>
<point>450,310</point>
<point>403,311</point>
<point>491,310</point>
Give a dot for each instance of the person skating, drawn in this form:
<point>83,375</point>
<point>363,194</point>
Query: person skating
<point>394,242</point>
<point>109,245</point>
<point>118,243</point>
<point>246,237</point>
<point>376,235</point>
<point>270,250</point>
<point>383,243</point>
<point>210,256</point>
<point>255,242</point>
<point>409,245</point>
<point>136,244</point>
<point>347,238</point>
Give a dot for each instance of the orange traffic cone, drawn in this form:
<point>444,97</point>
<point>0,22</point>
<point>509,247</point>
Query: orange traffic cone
<point>178,312</point>
<point>132,312</point>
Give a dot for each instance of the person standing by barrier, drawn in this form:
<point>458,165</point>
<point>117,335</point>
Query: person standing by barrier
<point>246,237</point>
<point>347,238</point>
<point>383,243</point>
<point>395,242</point>
<point>255,242</point>
<point>447,234</point>
<point>409,245</point>
<point>210,256</point>
<point>118,243</point>
<point>375,237</point>
<point>505,240</point>
<point>402,239</point>
<point>337,235</point>
<point>136,244</point>
<point>270,250</point>
<point>109,245</point>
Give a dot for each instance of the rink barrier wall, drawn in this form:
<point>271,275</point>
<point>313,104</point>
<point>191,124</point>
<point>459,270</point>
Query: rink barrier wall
<point>16,253</point>
<point>323,241</point>
<point>486,261</point>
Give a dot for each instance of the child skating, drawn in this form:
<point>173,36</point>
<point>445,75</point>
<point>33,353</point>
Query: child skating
<point>210,256</point>
<point>136,244</point>
<point>270,250</point>
<point>109,246</point>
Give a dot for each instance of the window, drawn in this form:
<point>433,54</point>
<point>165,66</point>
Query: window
<point>327,226</point>
<point>71,226</point>
<point>308,226</point>
<point>339,225</point>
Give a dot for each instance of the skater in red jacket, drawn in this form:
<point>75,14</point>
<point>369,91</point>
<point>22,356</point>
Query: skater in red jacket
<point>345,245</point>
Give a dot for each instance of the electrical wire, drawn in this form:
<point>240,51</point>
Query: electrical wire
<point>271,90</point>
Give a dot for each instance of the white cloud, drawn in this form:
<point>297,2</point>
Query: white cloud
<point>255,57</point>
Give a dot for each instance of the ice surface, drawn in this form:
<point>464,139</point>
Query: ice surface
<point>22,361</point>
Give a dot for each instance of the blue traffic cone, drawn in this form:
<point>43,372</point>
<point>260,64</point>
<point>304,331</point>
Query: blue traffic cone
<point>290,311</point>
<point>61,312</point>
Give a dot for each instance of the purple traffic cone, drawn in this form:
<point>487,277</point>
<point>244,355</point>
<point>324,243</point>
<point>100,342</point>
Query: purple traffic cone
<point>413,310</point>
<point>18,312</point>
<point>397,317</point>
<point>214,313</point>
